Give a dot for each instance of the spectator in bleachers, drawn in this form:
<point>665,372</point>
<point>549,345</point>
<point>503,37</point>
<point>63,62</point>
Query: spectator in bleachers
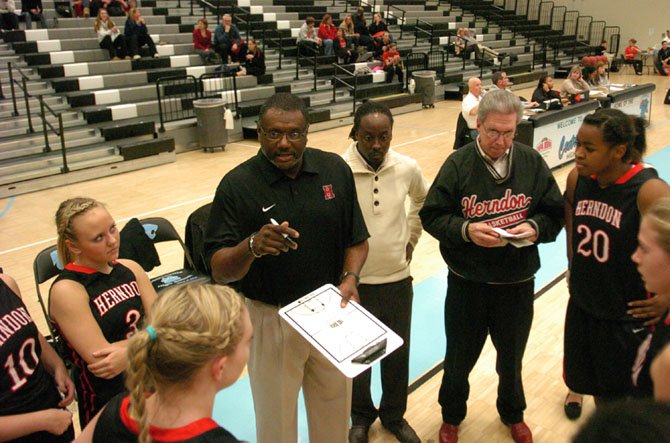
<point>347,26</point>
<point>574,84</point>
<point>392,63</point>
<point>383,44</point>
<point>361,28</point>
<point>343,48</point>
<point>137,35</point>
<point>115,8</point>
<point>109,36</point>
<point>327,33</point>
<point>666,36</point>
<point>32,10</point>
<point>631,56</point>
<point>378,27</point>
<point>545,90</point>
<point>228,41</point>
<point>202,43</point>
<point>254,60</point>
<point>466,44</point>
<point>9,15</point>
<point>662,58</point>
<point>81,8</point>
<point>307,37</point>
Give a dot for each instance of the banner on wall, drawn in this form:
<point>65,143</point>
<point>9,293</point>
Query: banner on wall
<point>556,142</point>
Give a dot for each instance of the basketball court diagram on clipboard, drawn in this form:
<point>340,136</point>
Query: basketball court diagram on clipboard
<point>341,334</point>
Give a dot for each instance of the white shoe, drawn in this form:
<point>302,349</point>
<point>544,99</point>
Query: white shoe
<point>156,55</point>
<point>136,57</point>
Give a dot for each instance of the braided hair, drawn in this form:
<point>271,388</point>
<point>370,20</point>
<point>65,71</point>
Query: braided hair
<point>189,325</point>
<point>368,108</point>
<point>618,128</point>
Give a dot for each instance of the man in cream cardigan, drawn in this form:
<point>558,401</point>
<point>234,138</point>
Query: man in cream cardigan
<point>384,179</point>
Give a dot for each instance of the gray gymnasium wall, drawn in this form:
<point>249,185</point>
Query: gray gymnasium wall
<point>643,20</point>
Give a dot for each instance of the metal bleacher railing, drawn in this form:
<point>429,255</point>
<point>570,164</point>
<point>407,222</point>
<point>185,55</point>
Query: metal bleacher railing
<point>176,94</point>
<point>350,81</point>
<point>310,58</point>
<point>46,124</point>
<point>426,29</point>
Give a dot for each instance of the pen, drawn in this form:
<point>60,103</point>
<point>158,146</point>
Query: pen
<point>274,222</point>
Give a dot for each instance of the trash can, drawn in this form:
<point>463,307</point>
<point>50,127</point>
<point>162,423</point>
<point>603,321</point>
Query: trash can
<point>425,85</point>
<point>211,125</point>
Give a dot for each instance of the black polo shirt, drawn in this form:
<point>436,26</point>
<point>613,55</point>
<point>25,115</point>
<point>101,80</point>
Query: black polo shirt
<point>320,203</point>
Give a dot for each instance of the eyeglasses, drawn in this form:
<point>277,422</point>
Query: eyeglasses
<point>274,135</point>
<point>494,135</point>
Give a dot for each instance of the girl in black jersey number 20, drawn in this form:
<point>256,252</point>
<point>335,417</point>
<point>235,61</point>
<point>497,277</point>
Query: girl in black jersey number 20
<point>609,310</point>
<point>196,343</point>
<point>97,302</point>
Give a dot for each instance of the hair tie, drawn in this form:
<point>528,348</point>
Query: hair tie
<point>152,332</point>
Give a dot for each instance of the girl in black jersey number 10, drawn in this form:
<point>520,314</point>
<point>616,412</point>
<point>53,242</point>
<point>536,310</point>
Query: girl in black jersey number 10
<point>32,375</point>
<point>609,311</point>
<point>97,302</point>
<point>196,343</point>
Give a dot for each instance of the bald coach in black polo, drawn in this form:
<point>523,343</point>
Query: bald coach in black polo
<point>284,223</point>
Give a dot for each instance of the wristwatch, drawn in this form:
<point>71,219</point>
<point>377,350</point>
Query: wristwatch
<point>348,273</point>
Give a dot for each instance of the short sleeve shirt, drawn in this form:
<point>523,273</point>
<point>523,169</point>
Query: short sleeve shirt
<point>320,203</point>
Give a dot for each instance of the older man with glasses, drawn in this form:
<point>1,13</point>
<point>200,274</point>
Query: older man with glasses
<point>284,223</point>
<point>491,203</point>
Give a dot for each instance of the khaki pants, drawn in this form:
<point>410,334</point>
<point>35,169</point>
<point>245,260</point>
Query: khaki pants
<point>281,361</point>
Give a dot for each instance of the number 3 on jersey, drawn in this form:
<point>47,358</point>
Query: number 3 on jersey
<point>132,317</point>
<point>594,243</point>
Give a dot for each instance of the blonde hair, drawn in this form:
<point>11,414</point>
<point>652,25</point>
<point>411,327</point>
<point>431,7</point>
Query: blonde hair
<point>659,216</point>
<point>67,211</point>
<point>98,22</point>
<point>191,324</point>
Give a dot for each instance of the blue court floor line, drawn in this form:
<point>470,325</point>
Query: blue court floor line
<point>7,206</point>
<point>233,408</point>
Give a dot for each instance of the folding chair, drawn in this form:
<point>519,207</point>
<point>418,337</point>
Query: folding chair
<point>161,230</point>
<point>45,267</point>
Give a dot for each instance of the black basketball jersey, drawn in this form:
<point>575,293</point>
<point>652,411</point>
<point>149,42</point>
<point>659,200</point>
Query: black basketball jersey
<point>25,386</point>
<point>116,305</point>
<point>115,424</point>
<point>603,278</point>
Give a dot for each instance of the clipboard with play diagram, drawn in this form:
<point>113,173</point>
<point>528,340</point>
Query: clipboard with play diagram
<point>351,338</point>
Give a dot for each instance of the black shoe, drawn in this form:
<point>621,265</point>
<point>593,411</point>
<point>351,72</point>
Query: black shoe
<point>358,434</point>
<point>403,432</point>
<point>573,410</point>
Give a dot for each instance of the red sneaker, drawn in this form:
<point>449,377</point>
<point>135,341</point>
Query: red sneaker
<point>448,433</point>
<point>521,433</point>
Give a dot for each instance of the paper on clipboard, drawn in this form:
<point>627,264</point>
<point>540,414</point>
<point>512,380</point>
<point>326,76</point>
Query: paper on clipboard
<point>340,334</point>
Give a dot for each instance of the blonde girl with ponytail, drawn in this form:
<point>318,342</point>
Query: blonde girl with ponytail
<point>97,302</point>
<point>195,343</point>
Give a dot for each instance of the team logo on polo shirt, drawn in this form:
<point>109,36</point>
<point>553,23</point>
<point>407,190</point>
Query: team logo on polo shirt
<point>328,193</point>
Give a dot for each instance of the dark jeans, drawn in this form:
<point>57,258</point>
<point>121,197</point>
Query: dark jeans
<point>135,42</point>
<point>9,21</point>
<point>116,48</point>
<point>392,304</point>
<point>29,17</point>
<point>225,51</point>
<point>347,55</point>
<point>659,67</point>
<point>471,312</point>
<point>391,70</point>
<point>637,65</point>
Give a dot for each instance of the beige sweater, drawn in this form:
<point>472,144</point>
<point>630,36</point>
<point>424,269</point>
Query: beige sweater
<point>390,224</point>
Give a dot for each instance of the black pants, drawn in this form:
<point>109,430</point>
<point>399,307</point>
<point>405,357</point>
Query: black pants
<point>637,65</point>
<point>135,42</point>
<point>471,312</point>
<point>9,21</point>
<point>391,70</point>
<point>392,304</point>
<point>346,55</point>
<point>116,48</point>
<point>225,51</point>
<point>659,67</point>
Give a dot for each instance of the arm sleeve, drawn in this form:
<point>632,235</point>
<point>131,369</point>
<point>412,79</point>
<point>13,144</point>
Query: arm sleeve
<point>223,227</point>
<point>549,217</point>
<point>441,214</point>
<point>418,189</point>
